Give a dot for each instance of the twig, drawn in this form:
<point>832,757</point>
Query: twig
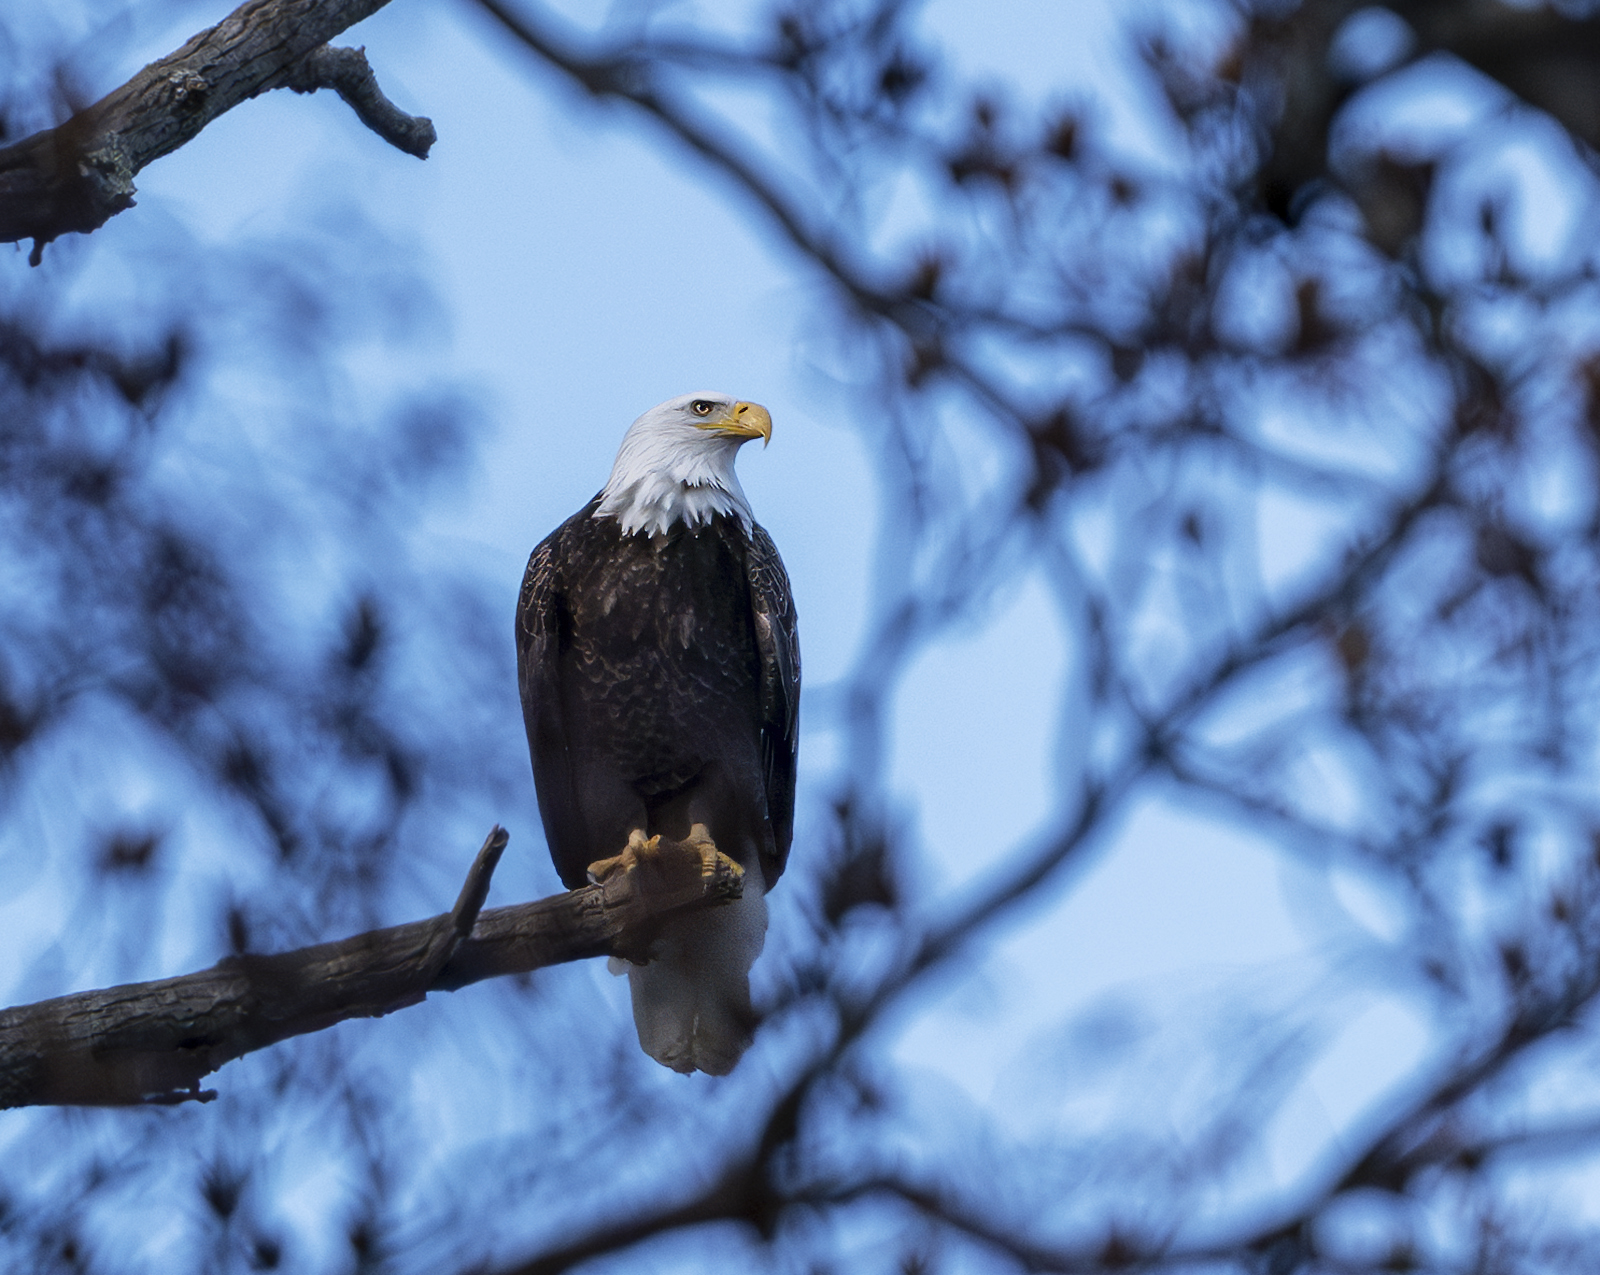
<point>153,1042</point>
<point>447,938</point>
<point>78,175</point>
<point>347,73</point>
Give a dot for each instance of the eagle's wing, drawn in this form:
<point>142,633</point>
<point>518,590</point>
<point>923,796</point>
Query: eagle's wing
<point>538,651</point>
<point>778,640</point>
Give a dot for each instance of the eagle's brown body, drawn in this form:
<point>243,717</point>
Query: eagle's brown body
<point>660,679</point>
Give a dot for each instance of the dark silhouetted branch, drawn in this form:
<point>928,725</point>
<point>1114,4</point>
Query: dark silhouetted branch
<point>153,1042</point>
<point>78,175</point>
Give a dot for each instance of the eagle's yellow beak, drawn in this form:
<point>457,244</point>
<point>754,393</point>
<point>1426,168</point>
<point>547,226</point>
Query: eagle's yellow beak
<point>745,420</point>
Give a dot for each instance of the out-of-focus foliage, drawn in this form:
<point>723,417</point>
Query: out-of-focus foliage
<point>235,712</point>
<point>1291,415</point>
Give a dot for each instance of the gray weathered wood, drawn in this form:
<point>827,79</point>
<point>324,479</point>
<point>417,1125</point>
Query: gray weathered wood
<point>78,175</point>
<point>153,1042</point>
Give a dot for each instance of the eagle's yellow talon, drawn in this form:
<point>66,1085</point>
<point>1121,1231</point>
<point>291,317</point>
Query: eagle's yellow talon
<point>666,862</point>
<point>639,850</point>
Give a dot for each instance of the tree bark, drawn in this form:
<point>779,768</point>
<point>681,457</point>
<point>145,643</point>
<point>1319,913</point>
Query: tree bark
<point>78,175</point>
<point>152,1042</point>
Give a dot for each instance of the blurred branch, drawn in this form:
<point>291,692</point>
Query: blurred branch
<point>628,72</point>
<point>78,175</point>
<point>1542,54</point>
<point>737,1195</point>
<point>1161,735</point>
<point>152,1042</point>
<point>1431,1131</point>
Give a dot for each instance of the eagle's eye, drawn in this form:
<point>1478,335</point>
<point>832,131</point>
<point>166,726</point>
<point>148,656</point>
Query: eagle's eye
<point>701,407</point>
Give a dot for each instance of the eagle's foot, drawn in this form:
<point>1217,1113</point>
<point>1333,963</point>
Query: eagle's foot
<point>712,862</point>
<point>638,849</point>
<point>667,871</point>
<point>654,875</point>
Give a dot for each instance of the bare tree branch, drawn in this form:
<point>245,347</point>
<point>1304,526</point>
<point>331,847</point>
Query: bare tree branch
<point>347,72</point>
<point>153,1042</point>
<point>78,175</point>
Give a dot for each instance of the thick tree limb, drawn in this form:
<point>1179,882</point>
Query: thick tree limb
<point>153,1042</point>
<point>78,175</point>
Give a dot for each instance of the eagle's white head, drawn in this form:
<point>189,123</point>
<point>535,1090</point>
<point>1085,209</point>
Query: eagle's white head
<point>676,463</point>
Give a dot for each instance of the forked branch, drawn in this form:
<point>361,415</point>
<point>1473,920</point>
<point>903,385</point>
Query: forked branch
<point>78,175</point>
<point>153,1042</point>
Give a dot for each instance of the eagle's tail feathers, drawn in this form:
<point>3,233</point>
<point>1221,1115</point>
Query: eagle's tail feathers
<point>691,1003</point>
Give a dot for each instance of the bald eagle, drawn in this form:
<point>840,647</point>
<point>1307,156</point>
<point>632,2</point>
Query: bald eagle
<point>659,667</point>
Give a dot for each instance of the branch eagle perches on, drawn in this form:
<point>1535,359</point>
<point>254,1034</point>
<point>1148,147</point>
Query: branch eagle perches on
<point>153,1042</point>
<point>78,175</point>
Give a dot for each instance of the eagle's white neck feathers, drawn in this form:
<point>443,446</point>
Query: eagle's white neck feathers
<point>671,468</point>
